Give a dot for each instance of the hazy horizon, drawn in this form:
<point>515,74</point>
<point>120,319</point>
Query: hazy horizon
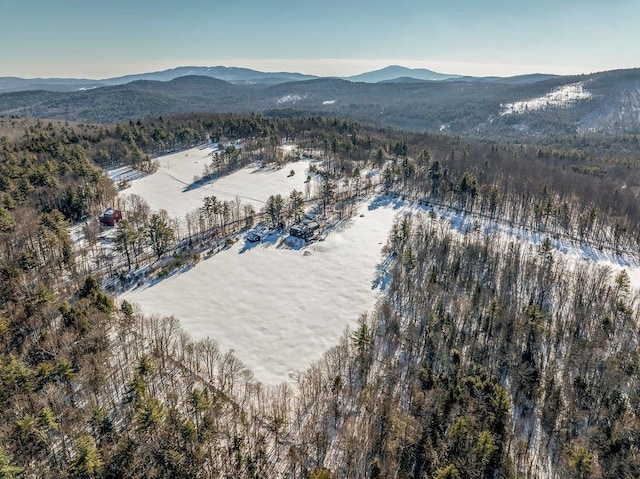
<point>337,38</point>
<point>322,68</point>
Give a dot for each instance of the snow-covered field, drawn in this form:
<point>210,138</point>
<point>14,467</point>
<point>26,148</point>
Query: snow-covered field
<point>558,97</point>
<point>277,308</point>
<point>169,187</point>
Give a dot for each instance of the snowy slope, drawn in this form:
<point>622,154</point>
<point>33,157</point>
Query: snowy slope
<point>561,97</point>
<point>168,188</point>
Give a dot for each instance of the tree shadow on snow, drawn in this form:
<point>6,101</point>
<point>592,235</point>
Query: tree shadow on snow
<point>200,183</point>
<point>338,227</point>
<point>145,282</point>
<point>291,242</point>
<point>265,169</point>
<point>383,275</point>
<point>386,200</point>
<point>248,245</point>
<point>269,239</point>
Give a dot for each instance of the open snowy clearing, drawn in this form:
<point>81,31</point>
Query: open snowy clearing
<point>278,308</point>
<point>169,187</point>
<point>559,97</point>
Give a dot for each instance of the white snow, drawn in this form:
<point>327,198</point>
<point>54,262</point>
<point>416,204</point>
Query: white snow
<point>289,99</point>
<point>280,308</point>
<point>328,102</point>
<point>168,188</point>
<point>277,308</point>
<point>124,173</point>
<point>563,96</point>
<point>288,148</point>
<point>572,250</point>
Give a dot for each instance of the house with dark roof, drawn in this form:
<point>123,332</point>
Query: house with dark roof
<point>305,230</point>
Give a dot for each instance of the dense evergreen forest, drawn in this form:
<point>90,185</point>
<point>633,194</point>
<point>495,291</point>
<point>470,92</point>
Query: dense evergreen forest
<point>486,358</point>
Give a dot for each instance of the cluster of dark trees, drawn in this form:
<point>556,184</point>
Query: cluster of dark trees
<point>486,358</point>
<point>560,337</point>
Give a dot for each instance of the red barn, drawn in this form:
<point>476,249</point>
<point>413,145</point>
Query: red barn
<point>110,217</point>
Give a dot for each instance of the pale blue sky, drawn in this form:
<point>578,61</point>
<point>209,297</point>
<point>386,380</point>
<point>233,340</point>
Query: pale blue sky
<point>74,38</point>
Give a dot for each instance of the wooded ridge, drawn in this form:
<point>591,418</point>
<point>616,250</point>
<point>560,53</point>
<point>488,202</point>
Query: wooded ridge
<point>485,358</point>
<point>532,108</point>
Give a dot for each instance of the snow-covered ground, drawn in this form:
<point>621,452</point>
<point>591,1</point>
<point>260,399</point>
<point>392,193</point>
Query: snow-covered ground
<point>290,99</point>
<point>124,173</point>
<point>169,187</point>
<point>558,97</point>
<point>572,250</point>
<point>278,308</point>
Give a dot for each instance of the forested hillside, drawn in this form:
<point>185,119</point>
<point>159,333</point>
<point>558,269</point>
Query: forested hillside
<point>492,359</point>
<point>486,358</point>
<point>529,107</point>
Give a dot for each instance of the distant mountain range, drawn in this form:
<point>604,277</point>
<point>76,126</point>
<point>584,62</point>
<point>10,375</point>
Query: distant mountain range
<point>399,73</point>
<point>515,107</point>
<point>243,76</point>
<point>229,74</point>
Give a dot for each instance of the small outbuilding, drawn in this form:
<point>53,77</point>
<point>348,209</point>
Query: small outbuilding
<point>110,217</point>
